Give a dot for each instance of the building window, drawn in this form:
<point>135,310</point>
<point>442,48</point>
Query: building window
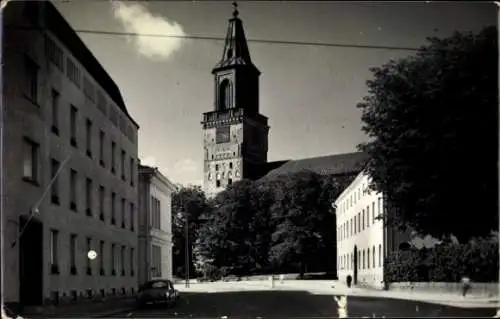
<point>54,189</point>
<point>73,72</point>
<point>88,89</point>
<point>367,218</point>
<point>132,215</point>
<point>72,190</point>
<point>155,261</point>
<point>359,222</point>
<point>216,167</point>
<point>380,211</point>
<point>72,125</point>
<point>224,95</point>
<point>217,183</point>
<point>55,100</point>
<point>368,258</point>
<point>363,259</point>
<point>31,90</point>
<point>101,102</point>
<point>124,208</point>
<point>355,226</point>
<point>113,151</point>
<point>88,248</point>
<point>122,259</point>
<point>122,164</point>
<point>155,213</point>
<point>230,165</point>
<point>72,254</point>
<point>363,220</point>
<point>54,252</point>
<point>101,202</point>
<point>54,53</point>
<point>368,210</point>
<point>88,136</point>
<point>113,208</point>
<point>379,255</point>
<point>230,181</point>
<point>101,148</point>
<point>101,258</point>
<point>30,161</point>
<point>373,253</point>
<point>131,261</point>
<point>113,259</point>
<point>132,171</point>
<point>351,223</point>
<point>88,197</point>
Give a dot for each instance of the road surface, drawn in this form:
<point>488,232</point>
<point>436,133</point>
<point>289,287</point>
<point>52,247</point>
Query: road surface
<point>295,304</point>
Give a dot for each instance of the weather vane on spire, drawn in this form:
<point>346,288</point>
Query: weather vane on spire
<point>235,9</point>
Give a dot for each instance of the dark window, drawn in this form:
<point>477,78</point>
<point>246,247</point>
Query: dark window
<point>30,161</point>
<point>31,69</point>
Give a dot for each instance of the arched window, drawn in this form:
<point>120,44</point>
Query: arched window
<point>225,95</point>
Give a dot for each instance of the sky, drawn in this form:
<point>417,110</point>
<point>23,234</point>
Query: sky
<point>309,93</point>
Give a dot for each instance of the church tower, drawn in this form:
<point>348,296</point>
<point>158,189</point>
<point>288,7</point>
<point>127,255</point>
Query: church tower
<point>235,133</point>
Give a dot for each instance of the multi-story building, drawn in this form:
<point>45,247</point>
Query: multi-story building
<point>155,225</point>
<point>363,240</point>
<point>66,122</point>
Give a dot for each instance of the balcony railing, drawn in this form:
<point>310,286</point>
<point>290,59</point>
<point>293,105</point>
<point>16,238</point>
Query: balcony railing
<point>222,115</point>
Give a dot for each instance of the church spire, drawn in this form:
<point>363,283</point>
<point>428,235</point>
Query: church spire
<point>235,51</point>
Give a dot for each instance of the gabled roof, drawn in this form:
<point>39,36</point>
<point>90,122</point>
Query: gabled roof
<point>338,164</point>
<point>236,52</point>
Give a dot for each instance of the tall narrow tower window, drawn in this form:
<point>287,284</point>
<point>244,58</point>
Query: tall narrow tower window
<point>224,95</point>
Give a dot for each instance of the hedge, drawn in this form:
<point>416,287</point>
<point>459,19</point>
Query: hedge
<point>444,263</point>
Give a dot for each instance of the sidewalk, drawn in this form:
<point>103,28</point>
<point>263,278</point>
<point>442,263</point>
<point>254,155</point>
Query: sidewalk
<point>83,310</point>
<point>339,288</point>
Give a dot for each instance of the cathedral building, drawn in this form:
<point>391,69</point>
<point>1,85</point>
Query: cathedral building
<point>236,133</point>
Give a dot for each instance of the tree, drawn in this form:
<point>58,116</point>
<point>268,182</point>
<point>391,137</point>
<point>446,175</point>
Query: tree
<point>234,235</point>
<point>298,217</point>
<point>187,202</point>
<point>432,120</point>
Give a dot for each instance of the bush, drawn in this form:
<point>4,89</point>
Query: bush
<point>445,263</point>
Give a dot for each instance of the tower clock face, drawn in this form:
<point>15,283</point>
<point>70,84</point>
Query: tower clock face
<point>222,134</point>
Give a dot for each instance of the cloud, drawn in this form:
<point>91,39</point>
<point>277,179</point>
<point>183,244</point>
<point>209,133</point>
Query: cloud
<point>136,18</point>
<point>149,161</point>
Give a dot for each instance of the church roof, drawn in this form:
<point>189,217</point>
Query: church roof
<point>236,52</point>
<point>338,164</point>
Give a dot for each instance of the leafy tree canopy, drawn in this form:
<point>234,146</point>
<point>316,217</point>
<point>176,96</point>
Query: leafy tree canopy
<point>433,126</point>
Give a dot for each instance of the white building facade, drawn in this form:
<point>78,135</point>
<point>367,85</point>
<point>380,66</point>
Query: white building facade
<point>155,225</point>
<point>64,116</point>
<point>360,233</point>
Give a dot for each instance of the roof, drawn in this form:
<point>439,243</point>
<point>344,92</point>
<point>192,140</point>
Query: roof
<point>56,23</point>
<point>236,52</point>
<point>338,164</point>
<point>149,172</point>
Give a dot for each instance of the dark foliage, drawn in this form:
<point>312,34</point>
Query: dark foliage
<point>433,123</point>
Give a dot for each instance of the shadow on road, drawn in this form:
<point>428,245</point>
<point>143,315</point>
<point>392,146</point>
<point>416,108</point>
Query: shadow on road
<point>296,304</point>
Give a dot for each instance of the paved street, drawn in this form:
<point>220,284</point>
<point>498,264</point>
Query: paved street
<point>296,304</point>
